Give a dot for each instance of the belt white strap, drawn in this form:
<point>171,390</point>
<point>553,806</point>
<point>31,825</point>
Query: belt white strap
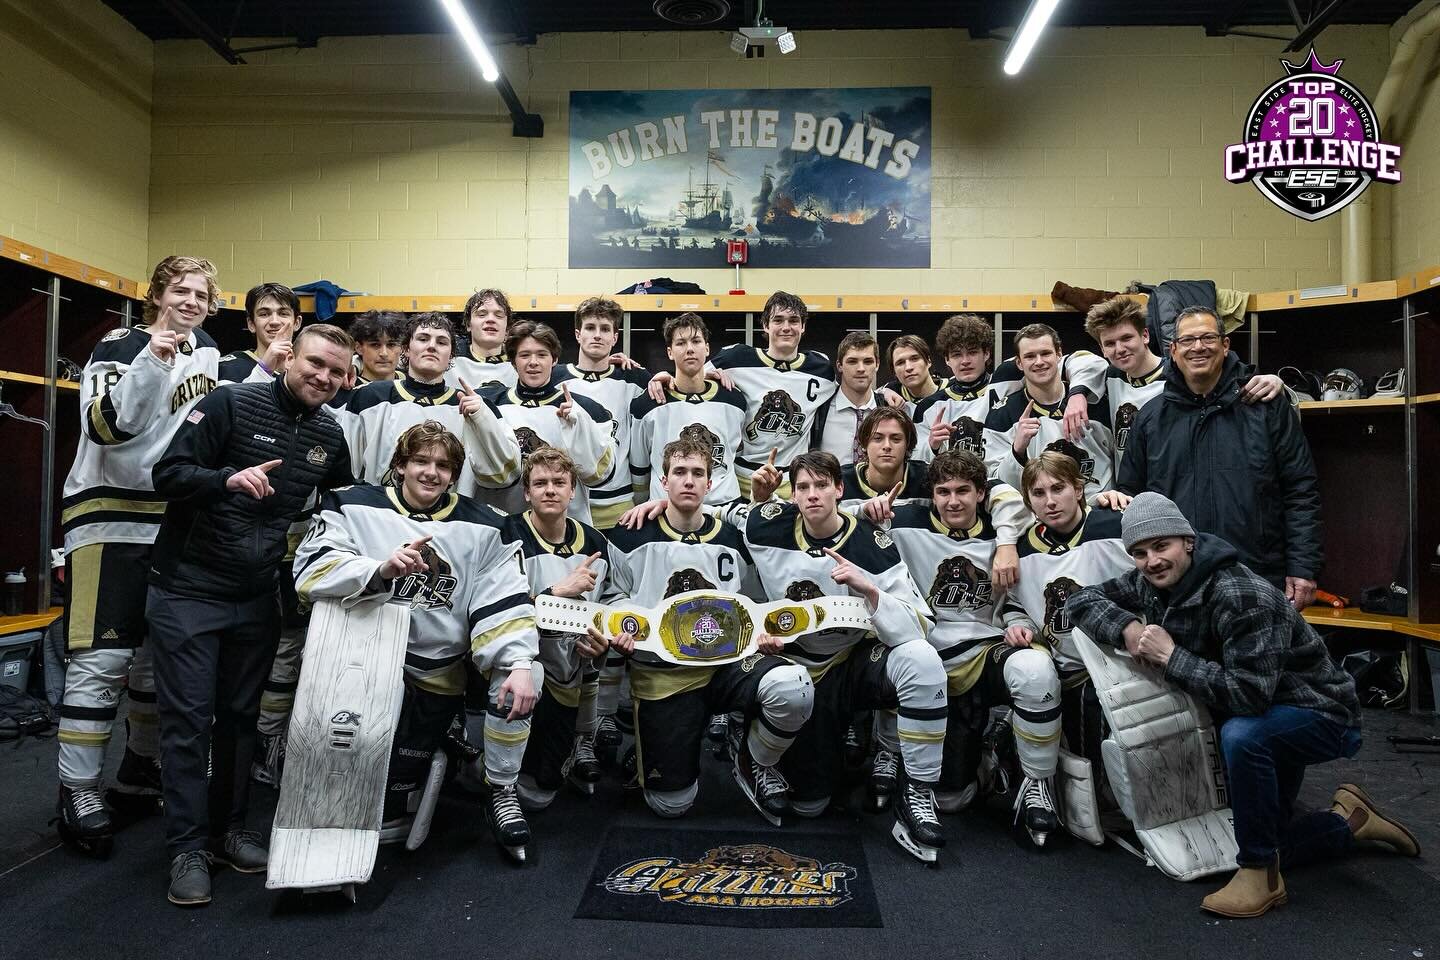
<point>703,627</point>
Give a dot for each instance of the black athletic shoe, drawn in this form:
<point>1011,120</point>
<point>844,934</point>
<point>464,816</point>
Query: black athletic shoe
<point>242,850</point>
<point>84,822</point>
<point>190,878</point>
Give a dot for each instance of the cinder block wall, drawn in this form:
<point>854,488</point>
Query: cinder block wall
<point>75,83</point>
<point>1415,201</point>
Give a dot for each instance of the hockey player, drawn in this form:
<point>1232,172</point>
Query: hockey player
<point>137,388</point>
<point>887,438</point>
<point>614,381</point>
<point>1067,547</point>
<point>564,558</point>
<point>959,544</point>
<point>694,407</point>
<point>486,364</point>
<point>379,345</point>
<point>540,410</point>
<point>1035,418</point>
<point>953,417</point>
<point>272,314</point>
<point>908,357</point>
<point>421,544</point>
<point>686,549</point>
<point>807,549</point>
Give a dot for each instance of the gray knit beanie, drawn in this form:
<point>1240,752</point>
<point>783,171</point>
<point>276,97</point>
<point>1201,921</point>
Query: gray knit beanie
<point>1152,515</point>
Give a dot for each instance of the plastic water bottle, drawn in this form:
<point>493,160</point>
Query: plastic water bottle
<point>14,597</point>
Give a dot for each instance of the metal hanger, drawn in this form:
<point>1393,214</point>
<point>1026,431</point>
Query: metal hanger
<point>8,410</point>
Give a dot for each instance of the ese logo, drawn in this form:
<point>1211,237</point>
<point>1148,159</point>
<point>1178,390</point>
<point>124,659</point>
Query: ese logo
<point>1312,142</point>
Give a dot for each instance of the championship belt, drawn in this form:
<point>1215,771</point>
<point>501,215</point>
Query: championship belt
<point>703,628</point>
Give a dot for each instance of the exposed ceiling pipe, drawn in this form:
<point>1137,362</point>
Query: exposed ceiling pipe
<point>1357,221</point>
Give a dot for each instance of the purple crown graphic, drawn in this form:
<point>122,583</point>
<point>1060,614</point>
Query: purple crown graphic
<point>1313,65</point>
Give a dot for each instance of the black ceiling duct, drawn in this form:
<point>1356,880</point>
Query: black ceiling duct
<point>692,13</point>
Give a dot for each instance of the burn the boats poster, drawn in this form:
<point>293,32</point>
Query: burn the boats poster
<point>812,178</point>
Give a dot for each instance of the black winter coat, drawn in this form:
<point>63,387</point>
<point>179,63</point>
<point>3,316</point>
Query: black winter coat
<point>217,544</point>
<point>1240,471</point>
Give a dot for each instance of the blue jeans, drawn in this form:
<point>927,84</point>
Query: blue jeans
<point>1265,761</point>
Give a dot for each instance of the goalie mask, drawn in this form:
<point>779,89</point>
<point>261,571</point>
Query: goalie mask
<point>1391,384</point>
<point>1343,384</point>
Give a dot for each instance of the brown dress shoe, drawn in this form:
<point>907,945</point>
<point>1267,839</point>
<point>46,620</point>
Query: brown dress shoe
<point>1368,824</point>
<point>1250,893</point>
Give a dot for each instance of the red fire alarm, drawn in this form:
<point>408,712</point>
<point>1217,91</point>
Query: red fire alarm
<point>737,251</point>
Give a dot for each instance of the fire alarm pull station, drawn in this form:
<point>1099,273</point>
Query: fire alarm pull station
<point>737,252</point>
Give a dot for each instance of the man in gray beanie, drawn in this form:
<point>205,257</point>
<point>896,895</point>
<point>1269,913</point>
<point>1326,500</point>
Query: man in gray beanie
<point>1231,640</point>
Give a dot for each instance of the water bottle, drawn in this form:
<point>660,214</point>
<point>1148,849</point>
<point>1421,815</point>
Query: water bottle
<point>14,598</point>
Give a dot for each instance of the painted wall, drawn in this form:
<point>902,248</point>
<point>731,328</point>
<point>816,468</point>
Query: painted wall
<point>75,82</point>
<point>1415,201</point>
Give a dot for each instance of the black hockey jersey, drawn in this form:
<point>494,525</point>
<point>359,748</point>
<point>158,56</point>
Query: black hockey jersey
<point>1092,451</point>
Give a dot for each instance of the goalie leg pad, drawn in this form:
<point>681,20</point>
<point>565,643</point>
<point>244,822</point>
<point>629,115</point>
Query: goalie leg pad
<point>1077,792</point>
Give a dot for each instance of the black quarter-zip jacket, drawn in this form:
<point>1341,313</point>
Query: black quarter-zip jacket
<point>215,543</point>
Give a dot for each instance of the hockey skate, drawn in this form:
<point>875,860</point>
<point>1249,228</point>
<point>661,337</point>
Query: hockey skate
<point>270,762</point>
<point>582,768</point>
<point>507,821</point>
<point>465,761</point>
<point>83,821</point>
<point>1035,808</point>
<point>630,771</point>
<point>719,728</point>
<point>883,773</point>
<point>608,738</point>
<point>917,828</point>
<point>137,791</point>
<point>764,786</point>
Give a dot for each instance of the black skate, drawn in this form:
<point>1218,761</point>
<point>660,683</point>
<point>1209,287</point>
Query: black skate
<point>607,741</point>
<point>582,768</point>
<point>137,792</point>
<point>507,821</point>
<point>917,828</point>
<point>1035,808</point>
<point>269,763</point>
<point>630,771</point>
<point>465,762</point>
<point>719,728</point>
<point>83,821</point>
<point>764,786</point>
<point>883,775</point>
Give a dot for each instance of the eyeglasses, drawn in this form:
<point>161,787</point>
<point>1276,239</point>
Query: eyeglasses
<point>1208,339</point>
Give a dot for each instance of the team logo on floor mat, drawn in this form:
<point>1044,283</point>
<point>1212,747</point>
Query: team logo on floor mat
<point>1312,142</point>
<point>751,876</point>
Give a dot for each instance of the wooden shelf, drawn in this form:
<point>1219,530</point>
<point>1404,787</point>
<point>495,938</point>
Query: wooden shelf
<point>1355,618</point>
<point>29,621</point>
<point>1334,406</point>
<point>1425,398</point>
<point>13,377</point>
<point>1295,300</point>
<point>12,249</point>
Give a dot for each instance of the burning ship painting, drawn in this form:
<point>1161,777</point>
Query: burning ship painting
<point>834,178</point>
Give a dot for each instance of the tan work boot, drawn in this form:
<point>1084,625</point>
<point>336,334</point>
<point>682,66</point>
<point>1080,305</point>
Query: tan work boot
<point>1368,824</point>
<point>1250,893</point>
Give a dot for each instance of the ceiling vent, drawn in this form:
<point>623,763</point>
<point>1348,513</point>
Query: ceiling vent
<point>692,13</point>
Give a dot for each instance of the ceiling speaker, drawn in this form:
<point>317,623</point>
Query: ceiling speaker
<point>692,13</point>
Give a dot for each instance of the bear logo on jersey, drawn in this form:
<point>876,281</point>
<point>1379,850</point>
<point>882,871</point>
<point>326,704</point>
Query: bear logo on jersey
<point>968,435</point>
<point>529,441</point>
<point>1124,420</point>
<point>803,590</point>
<point>1057,591</point>
<point>433,587</point>
<point>699,433</point>
<point>779,414</point>
<point>1087,462</point>
<point>960,585</point>
<point>683,581</point>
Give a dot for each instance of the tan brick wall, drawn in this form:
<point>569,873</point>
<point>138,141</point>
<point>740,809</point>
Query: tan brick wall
<point>75,131</point>
<point>387,165</point>
<point>1415,201</point>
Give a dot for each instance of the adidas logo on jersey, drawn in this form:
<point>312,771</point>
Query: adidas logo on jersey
<point>110,635</point>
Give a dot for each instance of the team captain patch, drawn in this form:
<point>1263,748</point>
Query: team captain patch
<point>317,455</point>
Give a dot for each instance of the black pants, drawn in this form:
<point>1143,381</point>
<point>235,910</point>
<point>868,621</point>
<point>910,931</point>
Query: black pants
<point>425,716</point>
<point>211,661</point>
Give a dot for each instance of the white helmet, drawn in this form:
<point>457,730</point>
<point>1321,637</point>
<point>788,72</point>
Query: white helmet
<point>1342,384</point>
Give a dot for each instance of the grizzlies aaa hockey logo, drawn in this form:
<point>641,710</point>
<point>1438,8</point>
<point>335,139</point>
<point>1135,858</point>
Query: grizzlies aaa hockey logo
<point>1124,420</point>
<point>803,590</point>
<point>960,585</point>
<point>749,876</point>
<point>529,441</point>
<point>434,587</point>
<point>1057,591</point>
<point>683,581</point>
<point>701,434</point>
<point>779,414</point>
<point>1087,462</point>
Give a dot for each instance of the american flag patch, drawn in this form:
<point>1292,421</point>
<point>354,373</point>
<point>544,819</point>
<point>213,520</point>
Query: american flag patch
<point>196,416</point>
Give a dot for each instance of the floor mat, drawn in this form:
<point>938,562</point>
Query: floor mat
<point>731,879</point>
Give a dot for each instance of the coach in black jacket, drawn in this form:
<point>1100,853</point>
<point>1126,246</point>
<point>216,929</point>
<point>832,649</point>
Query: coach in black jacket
<point>1238,470</point>
<point>243,468</point>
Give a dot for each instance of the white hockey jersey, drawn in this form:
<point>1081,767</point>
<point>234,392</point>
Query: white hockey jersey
<point>657,561</point>
<point>965,406</point>
<point>546,564</point>
<point>1092,451</point>
<point>793,565</point>
<point>131,404</point>
<point>781,397</point>
<point>1125,396</point>
<point>615,389</point>
<point>952,568</point>
<point>473,600</point>
<point>715,417</point>
<point>1054,567</point>
<point>481,373</point>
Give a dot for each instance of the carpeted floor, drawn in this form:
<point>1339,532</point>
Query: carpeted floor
<point>459,897</point>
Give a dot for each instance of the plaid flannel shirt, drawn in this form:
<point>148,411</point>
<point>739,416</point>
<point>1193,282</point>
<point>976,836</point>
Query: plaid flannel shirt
<point>1240,646</point>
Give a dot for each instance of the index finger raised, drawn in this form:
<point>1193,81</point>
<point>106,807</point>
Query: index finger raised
<point>419,542</point>
<point>465,388</point>
<point>269,465</point>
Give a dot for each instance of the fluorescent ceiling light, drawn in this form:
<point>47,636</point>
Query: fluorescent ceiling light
<point>1030,29</point>
<point>471,37</point>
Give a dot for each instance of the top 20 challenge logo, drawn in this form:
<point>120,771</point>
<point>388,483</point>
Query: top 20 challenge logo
<point>1312,142</point>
